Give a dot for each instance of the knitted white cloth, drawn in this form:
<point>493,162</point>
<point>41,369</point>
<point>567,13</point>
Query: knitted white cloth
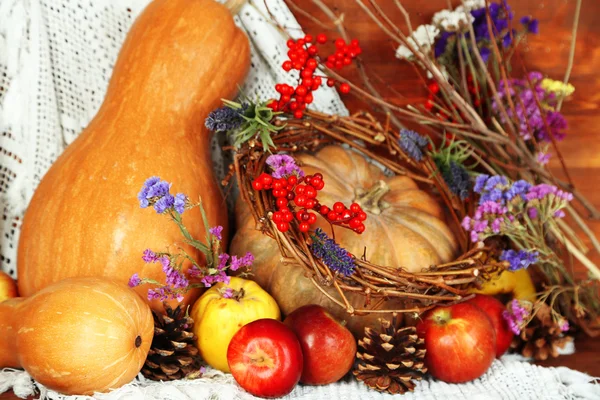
<point>505,380</point>
<point>56,58</point>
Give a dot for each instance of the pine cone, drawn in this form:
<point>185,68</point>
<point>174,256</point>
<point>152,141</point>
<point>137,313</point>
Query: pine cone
<point>542,337</point>
<point>392,358</point>
<point>173,354</point>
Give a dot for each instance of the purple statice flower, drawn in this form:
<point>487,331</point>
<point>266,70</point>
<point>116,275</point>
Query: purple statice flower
<point>217,231</point>
<point>519,259</point>
<point>542,158</point>
<point>480,182</point>
<point>500,16</point>
<point>180,202</point>
<point>164,203</point>
<point>283,166</point>
<point>531,24</point>
<point>540,191</point>
<point>134,280</point>
<point>241,262</point>
<point>559,214</point>
<point>532,212</point>
<point>441,43</point>
<point>332,255</point>
<point>143,194</point>
<point>225,119</point>
<point>164,293</point>
<point>210,280</point>
<point>227,293</point>
<point>223,258</point>
<point>413,144</point>
<point>517,189</point>
<point>564,325</point>
<point>149,256</point>
<point>516,316</point>
<point>527,115</point>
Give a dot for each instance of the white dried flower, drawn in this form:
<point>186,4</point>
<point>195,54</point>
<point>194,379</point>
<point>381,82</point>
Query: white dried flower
<point>453,21</point>
<point>422,39</point>
<point>473,4</point>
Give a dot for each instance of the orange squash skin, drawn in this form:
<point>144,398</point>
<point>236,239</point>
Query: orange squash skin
<point>179,59</point>
<point>410,233</point>
<point>78,336</point>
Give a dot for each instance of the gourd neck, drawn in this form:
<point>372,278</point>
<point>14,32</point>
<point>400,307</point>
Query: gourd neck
<point>234,6</point>
<point>370,200</point>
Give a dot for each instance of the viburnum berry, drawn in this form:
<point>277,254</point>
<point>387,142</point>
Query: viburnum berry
<point>321,38</point>
<point>345,88</point>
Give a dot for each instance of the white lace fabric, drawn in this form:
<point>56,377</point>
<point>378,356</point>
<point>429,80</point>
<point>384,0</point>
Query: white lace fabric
<point>56,58</point>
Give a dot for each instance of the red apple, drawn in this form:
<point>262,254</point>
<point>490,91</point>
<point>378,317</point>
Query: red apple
<point>328,346</point>
<point>460,342</point>
<point>8,287</point>
<point>494,309</point>
<point>265,358</point>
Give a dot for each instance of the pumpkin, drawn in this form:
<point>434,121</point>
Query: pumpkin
<point>404,228</point>
<point>217,318</point>
<point>77,336</point>
<point>178,60</point>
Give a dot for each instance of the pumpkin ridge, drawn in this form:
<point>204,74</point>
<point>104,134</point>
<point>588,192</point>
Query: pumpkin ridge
<point>384,226</point>
<point>409,213</point>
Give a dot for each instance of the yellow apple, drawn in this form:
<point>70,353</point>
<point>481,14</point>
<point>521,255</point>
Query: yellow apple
<point>8,287</point>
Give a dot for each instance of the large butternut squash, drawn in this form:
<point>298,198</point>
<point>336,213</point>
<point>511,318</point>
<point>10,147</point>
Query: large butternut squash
<point>179,59</point>
<point>77,336</point>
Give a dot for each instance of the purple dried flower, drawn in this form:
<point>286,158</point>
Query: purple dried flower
<point>532,212</point>
<point>134,280</point>
<point>542,158</point>
<point>564,325</point>
<point>225,118</point>
<point>210,280</point>
<point>518,188</point>
<point>164,203</point>
<point>559,214</point>
<point>531,24</point>
<point>227,293</point>
<point>480,183</point>
<point>241,262</point>
<point>149,256</point>
<point>519,259</point>
<point>180,202</point>
<point>540,191</point>
<point>413,144</point>
<point>332,255</point>
<point>223,258</point>
<point>516,315</point>
<point>458,180</point>
<point>216,231</point>
<point>283,166</point>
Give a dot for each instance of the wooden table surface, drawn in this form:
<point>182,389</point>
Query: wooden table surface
<point>546,52</point>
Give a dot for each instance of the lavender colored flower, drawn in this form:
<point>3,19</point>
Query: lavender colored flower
<point>540,191</point>
<point>519,259</point>
<point>143,194</point>
<point>532,212</point>
<point>241,262</point>
<point>480,182</point>
<point>164,293</point>
<point>532,24</point>
<point>225,119</point>
<point>542,158</point>
<point>134,280</point>
<point>564,325</point>
<point>518,188</point>
<point>332,255</point>
<point>210,280</point>
<point>217,231</point>
<point>149,256</point>
<point>164,203</point>
<point>516,315</point>
<point>227,293</point>
<point>180,202</point>
<point>413,144</point>
<point>283,166</point>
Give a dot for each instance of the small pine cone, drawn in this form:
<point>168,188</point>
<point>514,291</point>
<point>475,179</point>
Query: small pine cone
<point>390,360</point>
<point>542,337</point>
<point>173,353</point>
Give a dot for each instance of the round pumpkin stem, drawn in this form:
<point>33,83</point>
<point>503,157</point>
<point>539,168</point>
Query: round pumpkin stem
<point>370,199</point>
<point>234,6</point>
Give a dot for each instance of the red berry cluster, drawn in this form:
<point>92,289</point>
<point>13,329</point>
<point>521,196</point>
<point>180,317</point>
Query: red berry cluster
<point>303,56</point>
<point>297,197</point>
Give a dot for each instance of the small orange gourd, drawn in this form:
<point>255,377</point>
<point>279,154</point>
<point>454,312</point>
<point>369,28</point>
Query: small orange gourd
<point>179,59</point>
<point>77,336</point>
<point>405,228</point>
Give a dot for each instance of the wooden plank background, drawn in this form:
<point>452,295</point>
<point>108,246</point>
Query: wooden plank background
<point>546,52</point>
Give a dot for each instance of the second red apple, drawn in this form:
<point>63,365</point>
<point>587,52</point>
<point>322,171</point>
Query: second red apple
<point>328,346</point>
<point>494,309</point>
